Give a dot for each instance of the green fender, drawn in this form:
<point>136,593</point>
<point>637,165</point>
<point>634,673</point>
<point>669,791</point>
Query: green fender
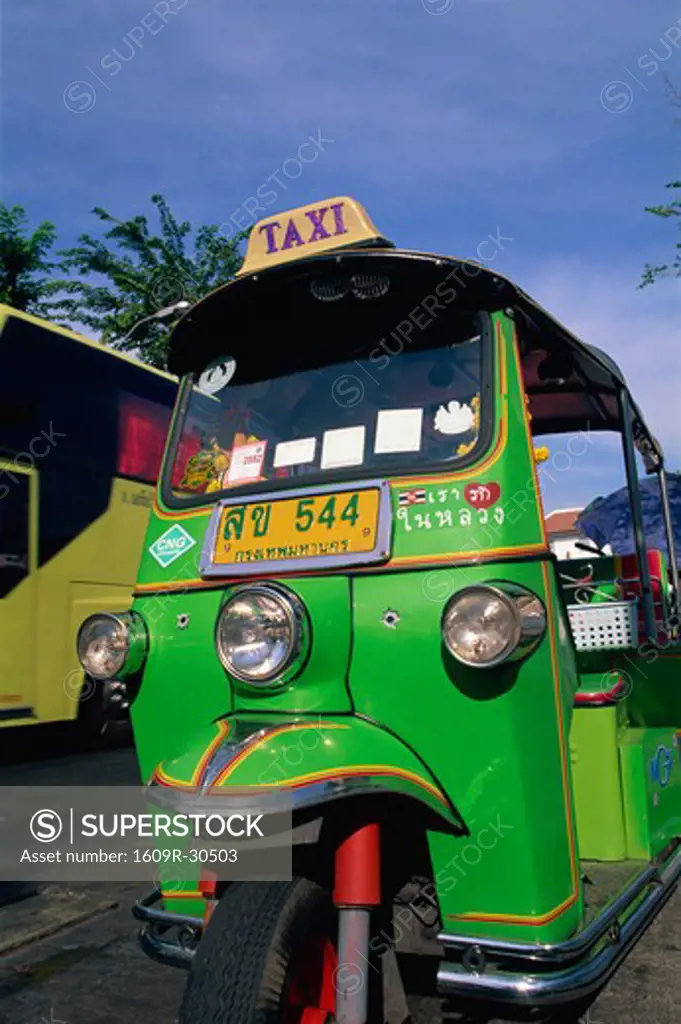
<point>317,760</point>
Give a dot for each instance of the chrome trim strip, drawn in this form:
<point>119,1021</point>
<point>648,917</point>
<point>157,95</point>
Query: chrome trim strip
<point>271,799</point>
<point>521,988</point>
<point>380,552</point>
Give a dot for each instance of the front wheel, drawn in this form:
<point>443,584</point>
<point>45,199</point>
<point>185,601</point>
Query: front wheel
<point>268,957</point>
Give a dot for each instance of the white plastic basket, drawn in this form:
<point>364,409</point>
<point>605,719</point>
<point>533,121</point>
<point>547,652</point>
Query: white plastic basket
<point>604,627</point>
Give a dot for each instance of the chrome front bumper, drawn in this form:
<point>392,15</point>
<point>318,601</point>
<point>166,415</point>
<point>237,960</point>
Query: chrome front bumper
<point>507,974</point>
<point>514,974</point>
<point>170,939</point>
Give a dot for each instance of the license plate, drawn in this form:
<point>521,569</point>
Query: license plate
<point>341,528</point>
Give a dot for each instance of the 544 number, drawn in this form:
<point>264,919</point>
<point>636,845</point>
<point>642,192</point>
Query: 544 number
<point>306,513</point>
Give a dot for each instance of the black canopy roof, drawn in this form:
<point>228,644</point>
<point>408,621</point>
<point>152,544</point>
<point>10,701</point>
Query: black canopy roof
<point>272,315</point>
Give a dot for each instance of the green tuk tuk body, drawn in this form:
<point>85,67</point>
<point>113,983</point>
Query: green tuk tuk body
<point>494,782</point>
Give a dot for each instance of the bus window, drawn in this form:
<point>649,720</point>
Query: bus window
<point>14,534</point>
<point>142,428</point>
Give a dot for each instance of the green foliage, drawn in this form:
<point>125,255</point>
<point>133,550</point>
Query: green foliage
<point>666,211</point>
<point>24,265</point>
<point>131,273</point>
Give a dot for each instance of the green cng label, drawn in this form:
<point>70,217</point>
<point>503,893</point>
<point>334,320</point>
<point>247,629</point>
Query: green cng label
<point>170,545</point>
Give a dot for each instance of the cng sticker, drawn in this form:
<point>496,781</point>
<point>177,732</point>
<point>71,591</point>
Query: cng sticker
<point>171,544</point>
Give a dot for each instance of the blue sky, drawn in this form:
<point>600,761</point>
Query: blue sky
<point>448,119</point>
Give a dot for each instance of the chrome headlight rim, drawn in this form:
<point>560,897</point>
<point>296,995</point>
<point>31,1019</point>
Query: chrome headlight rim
<point>299,643</point>
<point>528,631</point>
<point>136,644</point>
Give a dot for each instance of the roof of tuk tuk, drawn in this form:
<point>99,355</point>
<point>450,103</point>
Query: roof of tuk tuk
<point>273,289</point>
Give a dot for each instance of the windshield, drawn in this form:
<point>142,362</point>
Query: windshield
<point>377,414</point>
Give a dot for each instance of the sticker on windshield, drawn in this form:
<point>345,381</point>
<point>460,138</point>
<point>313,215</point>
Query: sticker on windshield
<point>217,376</point>
<point>295,453</point>
<point>454,418</point>
<point>398,430</point>
<point>246,462</point>
<point>171,544</point>
<point>344,447</point>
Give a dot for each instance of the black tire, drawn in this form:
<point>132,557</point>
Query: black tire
<point>242,969</point>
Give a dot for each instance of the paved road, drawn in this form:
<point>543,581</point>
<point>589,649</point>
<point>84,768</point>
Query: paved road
<point>71,955</point>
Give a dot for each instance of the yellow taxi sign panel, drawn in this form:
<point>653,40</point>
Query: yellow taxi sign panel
<point>308,230</point>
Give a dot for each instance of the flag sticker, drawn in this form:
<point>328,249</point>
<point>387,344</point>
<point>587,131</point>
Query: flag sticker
<point>417,497</point>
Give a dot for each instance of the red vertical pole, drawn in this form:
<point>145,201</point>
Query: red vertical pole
<point>357,880</point>
<point>357,889</point>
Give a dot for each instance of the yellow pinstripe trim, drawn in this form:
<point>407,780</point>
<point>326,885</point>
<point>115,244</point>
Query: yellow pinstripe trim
<point>308,777</point>
<point>444,559</point>
<point>177,585</point>
<point>564,748</point>
<point>162,775</point>
<point>223,732</point>
<point>528,435</point>
<point>488,555</point>
<point>368,769</point>
<point>320,775</point>
<point>264,740</point>
<point>517,918</point>
<point>191,513</point>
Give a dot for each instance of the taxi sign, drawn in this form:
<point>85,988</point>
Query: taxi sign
<point>308,230</point>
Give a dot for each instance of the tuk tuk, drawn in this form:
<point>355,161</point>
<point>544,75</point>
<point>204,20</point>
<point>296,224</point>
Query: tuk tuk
<point>347,594</point>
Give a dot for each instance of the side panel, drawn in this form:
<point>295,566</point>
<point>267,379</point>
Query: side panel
<point>651,779</point>
<point>18,592</point>
<point>495,742</point>
<point>594,747</point>
<point>94,572</point>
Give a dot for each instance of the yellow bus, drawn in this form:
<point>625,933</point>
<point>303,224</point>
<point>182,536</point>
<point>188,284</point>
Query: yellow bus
<point>82,430</point>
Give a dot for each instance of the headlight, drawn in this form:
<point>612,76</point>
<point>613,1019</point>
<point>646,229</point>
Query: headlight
<point>486,625</point>
<point>262,634</point>
<point>111,646</point>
